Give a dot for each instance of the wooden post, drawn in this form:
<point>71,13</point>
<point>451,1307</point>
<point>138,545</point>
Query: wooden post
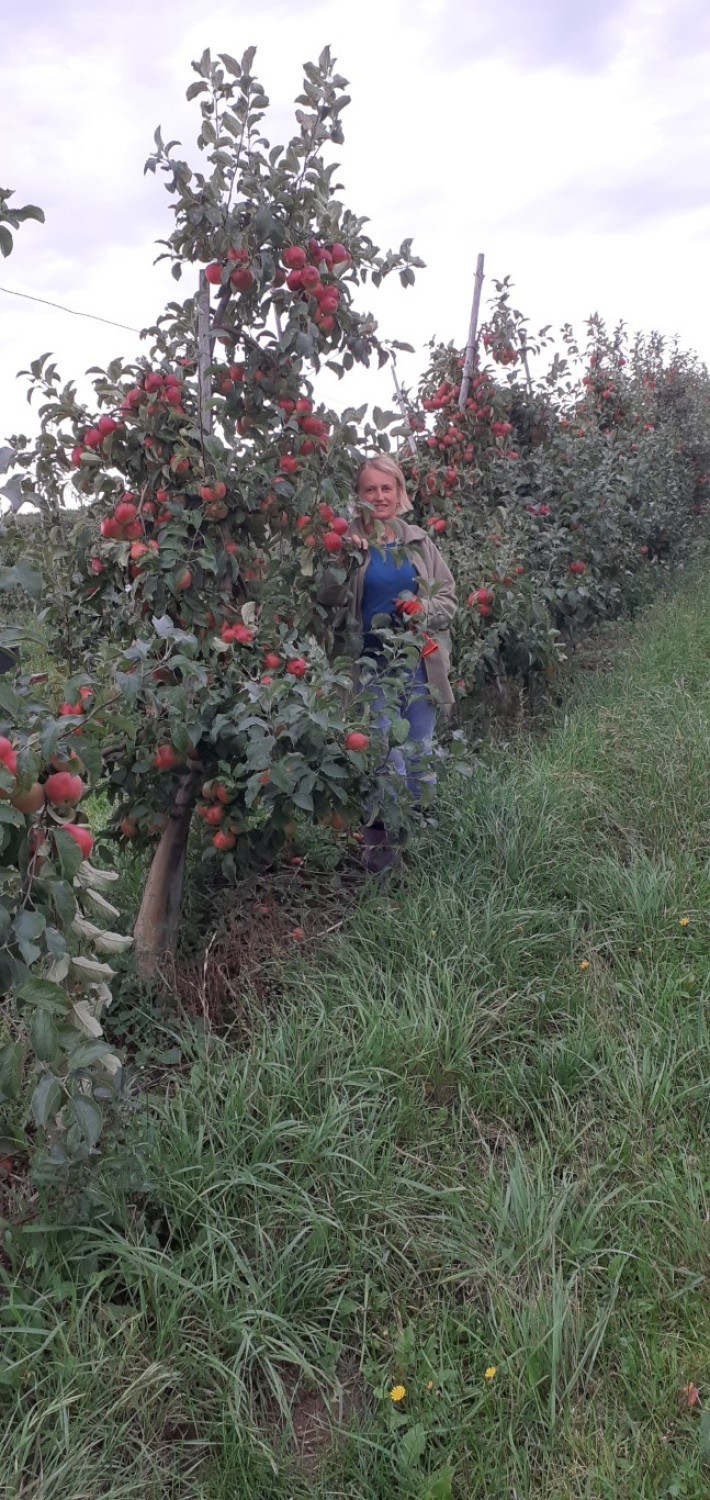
<point>156,929</point>
<point>470,359</point>
<point>204,355</point>
<point>402,404</point>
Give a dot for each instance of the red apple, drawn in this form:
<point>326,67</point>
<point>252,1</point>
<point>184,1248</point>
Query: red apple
<point>7,755</point>
<point>81,836</point>
<point>242,634</point>
<point>355,740</point>
<point>224,840</point>
<point>242,279</point>
<point>125,511</point>
<point>62,787</point>
<point>294,257</point>
<point>30,801</point>
<point>165,758</point>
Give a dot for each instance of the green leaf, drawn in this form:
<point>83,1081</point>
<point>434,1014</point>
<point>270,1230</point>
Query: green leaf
<point>264,221</point>
<point>87,1053</point>
<point>440,1484</point>
<point>43,992</point>
<point>70,855</point>
<point>180,738</point>
<point>10,1070</point>
<point>30,211</point>
<point>705,1434</point>
<point>88,1117</point>
<point>5,241</point>
<point>27,927</point>
<point>55,942</point>
<point>412,1446</point>
<point>9,700</point>
<point>91,757</point>
<point>128,684</point>
<point>64,899</point>
<point>303,800</point>
<point>14,493</point>
<point>44,1036</point>
<point>399,731</point>
<point>16,635</point>
<point>46,1100</point>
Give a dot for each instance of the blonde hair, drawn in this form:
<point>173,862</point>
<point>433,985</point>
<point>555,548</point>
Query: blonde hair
<point>387,465</point>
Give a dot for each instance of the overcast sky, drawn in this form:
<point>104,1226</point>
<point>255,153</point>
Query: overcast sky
<point>569,141</point>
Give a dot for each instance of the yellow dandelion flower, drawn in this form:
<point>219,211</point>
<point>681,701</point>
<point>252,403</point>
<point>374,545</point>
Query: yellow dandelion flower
<point>584,964</point>
<point>398,1393</point>
<point>490,1372</point>
<point>683,921</point>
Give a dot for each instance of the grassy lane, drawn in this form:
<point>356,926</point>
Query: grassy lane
<point>468,1158</point>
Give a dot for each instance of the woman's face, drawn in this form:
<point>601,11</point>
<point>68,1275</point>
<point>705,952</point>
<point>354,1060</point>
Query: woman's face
<point>377,493</point>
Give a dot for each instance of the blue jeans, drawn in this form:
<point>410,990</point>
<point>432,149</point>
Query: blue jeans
<point>413,760</point>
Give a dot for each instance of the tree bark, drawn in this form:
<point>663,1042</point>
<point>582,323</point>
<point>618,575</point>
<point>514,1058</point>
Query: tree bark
<point>156,929</point>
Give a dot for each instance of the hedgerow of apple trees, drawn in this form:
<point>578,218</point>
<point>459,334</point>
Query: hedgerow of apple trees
<point>56,1070</point>
<point>556,500</point>
<point>193,573</point>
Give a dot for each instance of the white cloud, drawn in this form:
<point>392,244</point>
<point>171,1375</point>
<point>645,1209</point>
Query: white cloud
<point>574,157</point>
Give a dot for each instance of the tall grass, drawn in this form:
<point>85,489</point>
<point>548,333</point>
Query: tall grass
<point>473,1136</point>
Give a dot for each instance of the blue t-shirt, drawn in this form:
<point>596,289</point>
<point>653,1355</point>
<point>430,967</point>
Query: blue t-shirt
<point>385,579</point>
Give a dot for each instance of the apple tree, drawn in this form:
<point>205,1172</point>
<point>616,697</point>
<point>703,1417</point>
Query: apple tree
<point>57,1072</point>
<point>214,490</point>
<point>552,497</point>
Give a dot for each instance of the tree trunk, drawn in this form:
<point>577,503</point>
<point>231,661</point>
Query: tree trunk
<point>156,928</point>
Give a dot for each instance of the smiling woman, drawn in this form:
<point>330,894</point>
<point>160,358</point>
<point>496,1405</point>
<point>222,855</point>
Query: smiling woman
<point>403,583</point>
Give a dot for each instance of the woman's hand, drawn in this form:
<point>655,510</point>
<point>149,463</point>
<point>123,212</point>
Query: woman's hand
<point>409,607</point>
<point>357,541</point>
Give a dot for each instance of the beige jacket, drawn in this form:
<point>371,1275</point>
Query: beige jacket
<point>437,592</point>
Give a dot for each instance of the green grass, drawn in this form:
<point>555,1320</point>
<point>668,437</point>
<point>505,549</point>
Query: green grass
<point>451,1147</point>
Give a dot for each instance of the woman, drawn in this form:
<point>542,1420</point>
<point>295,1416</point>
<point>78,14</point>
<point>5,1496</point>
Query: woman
<point>403,582</point>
